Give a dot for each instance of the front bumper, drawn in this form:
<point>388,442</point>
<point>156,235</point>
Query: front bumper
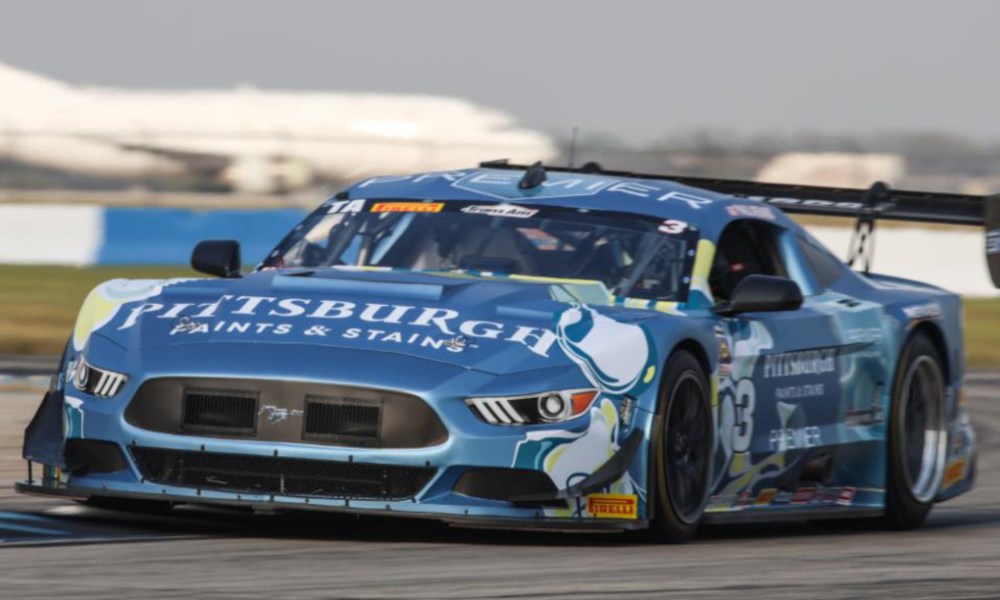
<point>593,456</point>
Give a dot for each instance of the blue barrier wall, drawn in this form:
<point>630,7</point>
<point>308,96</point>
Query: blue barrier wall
<point>166,236</point>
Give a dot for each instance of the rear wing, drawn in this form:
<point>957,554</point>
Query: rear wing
<point>865,205</point>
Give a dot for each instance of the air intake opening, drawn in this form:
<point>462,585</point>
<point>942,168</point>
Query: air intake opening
<point>229,412</point>
<point>344,420</point>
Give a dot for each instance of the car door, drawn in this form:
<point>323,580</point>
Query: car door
<point>780,378</point>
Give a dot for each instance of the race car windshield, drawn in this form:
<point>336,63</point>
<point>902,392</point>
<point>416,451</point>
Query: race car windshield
<point>632,256</point>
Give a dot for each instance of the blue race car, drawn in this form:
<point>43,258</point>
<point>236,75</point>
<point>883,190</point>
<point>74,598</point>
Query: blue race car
<point>524,347</point>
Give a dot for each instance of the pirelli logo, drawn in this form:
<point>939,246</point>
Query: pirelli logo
<point>613,506</point>
<point>954,473</point>
<point>412,207</point>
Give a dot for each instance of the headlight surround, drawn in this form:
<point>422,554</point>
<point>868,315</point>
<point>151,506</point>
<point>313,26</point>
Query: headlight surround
<point>533,409</point>
<point>93,380</point>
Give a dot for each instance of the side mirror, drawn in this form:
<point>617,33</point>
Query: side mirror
<point>762,293</point>
<point>217,257</point>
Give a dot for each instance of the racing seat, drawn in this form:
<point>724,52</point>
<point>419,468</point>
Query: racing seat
<point>746,247</point>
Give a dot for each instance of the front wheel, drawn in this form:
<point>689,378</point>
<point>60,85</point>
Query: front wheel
<point>917,435</point>
<point>681,450</point>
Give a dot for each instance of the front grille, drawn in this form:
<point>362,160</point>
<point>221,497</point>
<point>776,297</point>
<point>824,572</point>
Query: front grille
<point>269,410</point>
<point>231,412</point>
<point>343,420</point>
<point>284,476</point>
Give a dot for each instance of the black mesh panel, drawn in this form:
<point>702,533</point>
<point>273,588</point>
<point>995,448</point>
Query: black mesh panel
<point>343,419</point>
<point>220,411</point>
<point>277,475</point>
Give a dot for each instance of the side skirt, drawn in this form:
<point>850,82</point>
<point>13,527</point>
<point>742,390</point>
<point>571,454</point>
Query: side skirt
<point>790,515</point>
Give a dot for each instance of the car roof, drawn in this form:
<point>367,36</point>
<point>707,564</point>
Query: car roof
<point>662,199</point>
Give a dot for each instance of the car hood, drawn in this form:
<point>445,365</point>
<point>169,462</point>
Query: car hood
<point>494,325</point>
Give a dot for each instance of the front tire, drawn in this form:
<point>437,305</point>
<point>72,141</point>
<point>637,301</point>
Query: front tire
<point>917,436</point>
<point>682,450</point>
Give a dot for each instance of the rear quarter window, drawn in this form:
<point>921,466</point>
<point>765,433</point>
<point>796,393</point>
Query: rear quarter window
<point>826,268</point>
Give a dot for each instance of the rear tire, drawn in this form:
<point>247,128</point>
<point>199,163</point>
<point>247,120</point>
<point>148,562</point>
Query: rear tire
<point>682,447</point>
<point>917,436</point>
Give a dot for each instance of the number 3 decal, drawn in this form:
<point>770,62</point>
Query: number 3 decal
<point>743,404</point>
<point>673,227</point>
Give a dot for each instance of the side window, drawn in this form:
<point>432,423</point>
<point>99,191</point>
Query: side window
<point>826,268</point>
<point>746,247</point>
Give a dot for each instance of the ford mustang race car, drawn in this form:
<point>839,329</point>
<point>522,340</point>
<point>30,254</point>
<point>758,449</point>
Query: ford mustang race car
<point>529,347</point>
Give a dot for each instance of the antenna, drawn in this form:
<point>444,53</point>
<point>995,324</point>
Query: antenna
<point>572,146</point>
<point>534,176</point>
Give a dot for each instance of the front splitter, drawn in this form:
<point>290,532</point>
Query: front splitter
<point>468,521</point>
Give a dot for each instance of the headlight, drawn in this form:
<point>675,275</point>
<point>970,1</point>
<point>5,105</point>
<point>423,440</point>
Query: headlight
<point>549,407</point>
<point>94,381</point>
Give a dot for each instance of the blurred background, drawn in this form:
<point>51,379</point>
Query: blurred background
<point>129,131</point>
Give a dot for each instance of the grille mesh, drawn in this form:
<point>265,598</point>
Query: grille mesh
<point>343,419</point>
<point>220,411</point>
<point>277,475</point>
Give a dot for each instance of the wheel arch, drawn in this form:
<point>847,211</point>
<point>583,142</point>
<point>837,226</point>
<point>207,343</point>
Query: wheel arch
<point>694,347</point>
<point>937,338</point>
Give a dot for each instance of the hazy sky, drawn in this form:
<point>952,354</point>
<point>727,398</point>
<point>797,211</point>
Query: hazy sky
<point>636,69</point>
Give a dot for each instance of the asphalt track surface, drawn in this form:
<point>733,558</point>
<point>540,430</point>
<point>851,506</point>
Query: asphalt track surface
<point>56,549</point>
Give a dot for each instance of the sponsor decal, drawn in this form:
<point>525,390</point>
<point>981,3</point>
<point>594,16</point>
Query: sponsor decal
<point>954,473</point>
<point>839,496</point>
<point>673,227</point>
<point>345,207</point>
<point>846,496</point>
<point>744,402</point>
<point>747,210</point>
<point>766,497</point>
<point>276,414</point>
<point>931,310</point>
<point>783,497</point>
<point>626,411</point>
<point>852,206</point>
<point>690,199</point>
<point>459,343</point>
<point>993,241</point>
<point>803,495</point>
<point>613,506</point>
<point>795,392</point>
<point>806,362</point>
<point>744,499</point>
<point>797,438</point>
<point>501,210</point>
<point>503,186</point>
<point>725,352</point>
<point>408,207</point>
<point>719,503</point>
<point>436,328</point>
